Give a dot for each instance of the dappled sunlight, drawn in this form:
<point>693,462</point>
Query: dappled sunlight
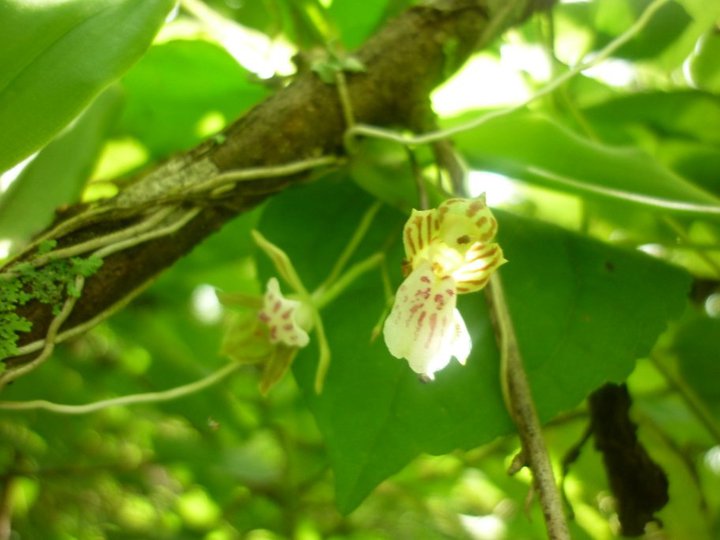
<point>210,123</point>
<point>712,305</point>
<point>205,304</point>
<point>9,176</point>
<point>712,459</point>
<point>498,188</point>
<point>485,81</point>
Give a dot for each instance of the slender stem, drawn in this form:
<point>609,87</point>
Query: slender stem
<point>354,272</point>
<point>351,246</point>
<point>688,395</point>
<point>640,23</point>
<point>686,241</point>
<point>102,241</point>
<point>519,401</point>
<point>261,173</point>
<point>50,338</point>
<point>325,354</point>
<point>133,399</point>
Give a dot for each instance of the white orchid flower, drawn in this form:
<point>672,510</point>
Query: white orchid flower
<point>448,253</point>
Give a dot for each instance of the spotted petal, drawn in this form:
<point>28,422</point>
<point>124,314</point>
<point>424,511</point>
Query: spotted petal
<point>424,326</point>
<point>463,222</point>
<point>418,235</point>
<point>282,317</point>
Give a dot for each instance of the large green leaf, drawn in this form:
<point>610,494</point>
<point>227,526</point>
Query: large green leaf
<point>178,84</point>
<point>696,346</point>
<point>705,62</point>
<point>690,114</point>
<point>535,148</point>
<point>583,311</point>
<point>356,25</point>
<point>57,56</point>
<point>59,172</point>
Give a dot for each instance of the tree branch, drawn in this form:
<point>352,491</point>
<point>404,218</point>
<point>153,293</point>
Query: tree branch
<point>304,121</point>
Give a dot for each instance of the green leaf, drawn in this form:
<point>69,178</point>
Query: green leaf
<point>696,347</point>
<point>179,84</point>
<point>59,172</point>
<point>57,56</point>
<point>705,62</point>
<point>583,311</point>
<point>536,149</point>
<point>355,25</point>
<point>690,114</point>
<point>614,17</point>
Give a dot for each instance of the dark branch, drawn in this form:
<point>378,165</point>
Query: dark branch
<point>404,62</point>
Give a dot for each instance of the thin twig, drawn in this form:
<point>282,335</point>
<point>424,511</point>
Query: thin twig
<point>350,248</point>
<point>519,401</point>
<point>425,138</point>
<point>11,374</point>
<point>133,399</point>
<point>102,241</point>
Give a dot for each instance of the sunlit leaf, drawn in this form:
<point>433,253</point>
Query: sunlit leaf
<point>57,56</point>
<point>705,62</point>
<point>182,91</point>
<point>537,149</point>
<point>58,173</point>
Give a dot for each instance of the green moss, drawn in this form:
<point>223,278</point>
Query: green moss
<point>50,284</point>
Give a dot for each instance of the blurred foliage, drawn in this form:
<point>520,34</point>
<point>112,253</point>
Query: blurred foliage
<point>612,164</point>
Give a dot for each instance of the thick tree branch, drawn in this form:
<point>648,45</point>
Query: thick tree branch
<point>404,62</point>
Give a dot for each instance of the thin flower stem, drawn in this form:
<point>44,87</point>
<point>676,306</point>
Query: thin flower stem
<point>325,354</point>
<point>521,407</point>
<point>133,399</point>
<point>351,246</point>
<point>353,273</point>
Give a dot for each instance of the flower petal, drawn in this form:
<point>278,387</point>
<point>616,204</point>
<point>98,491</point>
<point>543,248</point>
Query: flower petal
<point>418,235</point>
<point>481,260</point>
<point>281,316</point>
<point>424,327</point>
<point>463,222</point>
<point>461,343</point>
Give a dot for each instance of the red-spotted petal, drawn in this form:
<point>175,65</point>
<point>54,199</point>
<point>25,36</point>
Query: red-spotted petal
<point>281,316</point>
<point>419,233</point>
<point>424,326</point>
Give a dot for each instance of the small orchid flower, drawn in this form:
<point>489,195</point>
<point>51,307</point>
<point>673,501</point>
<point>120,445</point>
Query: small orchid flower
<point>448,252</point>
<point>285,318</point>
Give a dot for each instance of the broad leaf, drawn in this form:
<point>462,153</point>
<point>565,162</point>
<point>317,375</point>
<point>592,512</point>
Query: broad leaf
<point>536,149</point>
<point>691,114</point>
<point>705,62</point>
<point>696,347</point>
<point>584,312</point>
<point>59,172</point>
<point>182,90</point>
<point>57,56</point>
